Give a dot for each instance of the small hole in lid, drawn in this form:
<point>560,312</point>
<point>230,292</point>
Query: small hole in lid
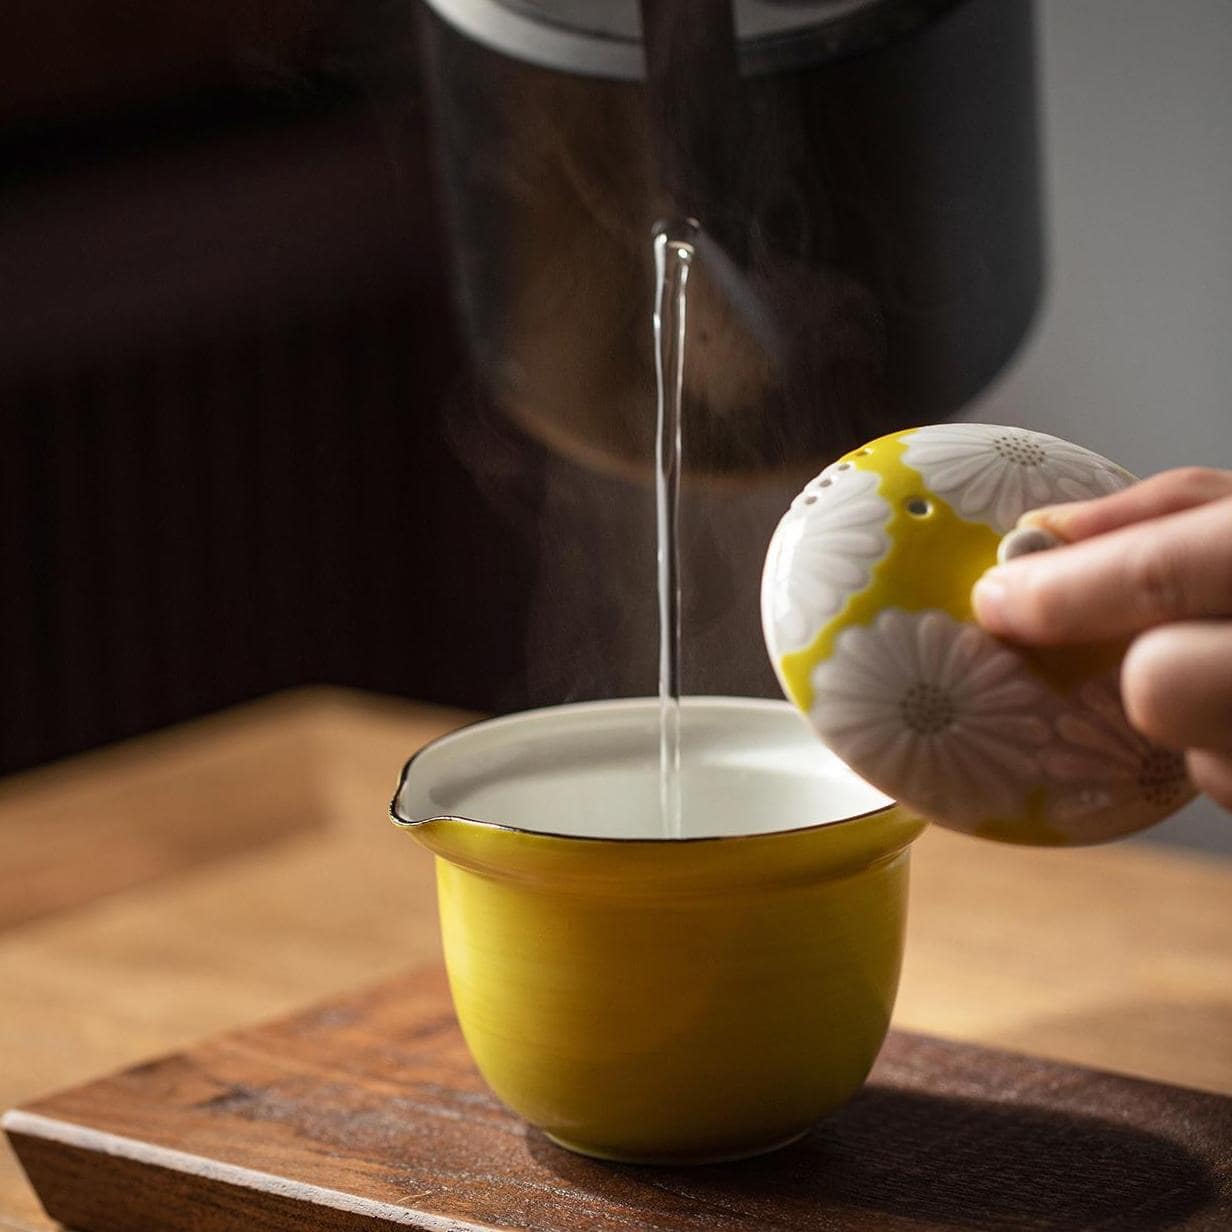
<point>810,500</point>
<point>918,507</point>
<point>843,466</point>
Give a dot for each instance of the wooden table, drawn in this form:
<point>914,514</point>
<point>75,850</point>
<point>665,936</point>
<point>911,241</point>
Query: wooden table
<point>242,866</point>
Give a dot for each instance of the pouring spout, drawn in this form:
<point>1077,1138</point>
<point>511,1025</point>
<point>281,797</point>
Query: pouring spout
<point>448,837</point>
<point>420,807</point>
<point>493,850</point>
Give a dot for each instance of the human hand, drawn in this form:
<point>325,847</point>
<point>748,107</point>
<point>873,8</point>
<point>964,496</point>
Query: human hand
<point>1152,563</point>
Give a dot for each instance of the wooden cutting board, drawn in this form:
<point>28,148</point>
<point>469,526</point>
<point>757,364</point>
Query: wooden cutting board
<point>367,1113</point>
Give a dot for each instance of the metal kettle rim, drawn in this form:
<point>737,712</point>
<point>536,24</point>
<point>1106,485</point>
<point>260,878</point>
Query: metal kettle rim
<point>817,33</point>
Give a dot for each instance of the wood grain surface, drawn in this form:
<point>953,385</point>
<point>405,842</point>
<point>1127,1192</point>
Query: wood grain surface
<point>367,1112</point>
<point>1118,956</point>
<point>112,821</point>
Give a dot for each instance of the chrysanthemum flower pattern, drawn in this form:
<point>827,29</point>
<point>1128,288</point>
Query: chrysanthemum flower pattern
<point>823,551</point>
<point>935,711</point>
<point>994,475</point>
<point>978,734</point>
<point>1105,770</point>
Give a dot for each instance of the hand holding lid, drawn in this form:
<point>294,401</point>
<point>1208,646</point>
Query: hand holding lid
<point>867,617</point>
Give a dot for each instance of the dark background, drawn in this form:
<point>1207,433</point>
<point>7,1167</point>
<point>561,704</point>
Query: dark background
<point>225,343</point>
<point>228,369</point>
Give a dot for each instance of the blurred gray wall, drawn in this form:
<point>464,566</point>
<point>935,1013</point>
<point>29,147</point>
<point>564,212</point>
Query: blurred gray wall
<point>1132,354</point>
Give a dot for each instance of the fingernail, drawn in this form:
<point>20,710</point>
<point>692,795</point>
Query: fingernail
<point>1052,518</point>
<point>990,599</point>
<point>1025,541</point>
<point>1036,517</point>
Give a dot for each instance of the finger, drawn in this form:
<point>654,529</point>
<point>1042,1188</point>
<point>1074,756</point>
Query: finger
<point>1156,497</point>
<point>1211,773</point>
<point>1176,684</point>
<point>1170,568</point>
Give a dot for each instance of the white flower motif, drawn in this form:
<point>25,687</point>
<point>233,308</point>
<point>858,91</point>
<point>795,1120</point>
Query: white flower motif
<point>1112,779</point>
<point>823,551</point>
<point>994,475</point>
<point>935,712</point>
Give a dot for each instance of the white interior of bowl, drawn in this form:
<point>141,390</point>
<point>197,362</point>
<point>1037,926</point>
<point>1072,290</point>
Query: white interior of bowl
<point>592,769</point>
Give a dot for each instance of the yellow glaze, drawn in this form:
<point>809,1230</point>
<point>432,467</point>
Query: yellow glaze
<point>933,562</point>
<point>932,559</point>
<point>674,1001</point>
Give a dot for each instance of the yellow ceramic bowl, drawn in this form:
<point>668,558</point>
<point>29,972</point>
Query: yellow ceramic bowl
<point>659,1000</point>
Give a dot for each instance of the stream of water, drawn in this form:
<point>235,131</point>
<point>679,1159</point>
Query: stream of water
<point>674,252</point>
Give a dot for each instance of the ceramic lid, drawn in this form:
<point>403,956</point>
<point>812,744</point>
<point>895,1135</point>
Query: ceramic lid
<point>867,616</point>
